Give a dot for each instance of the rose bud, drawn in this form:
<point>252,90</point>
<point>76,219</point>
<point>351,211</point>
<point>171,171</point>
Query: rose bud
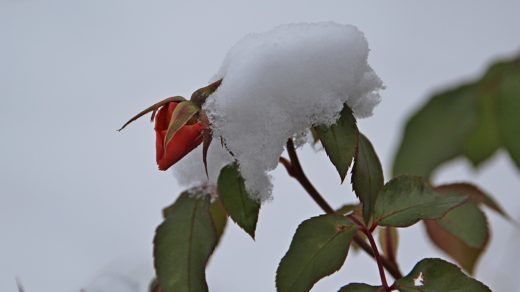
<point>185,139</point>
<point>180,126</point>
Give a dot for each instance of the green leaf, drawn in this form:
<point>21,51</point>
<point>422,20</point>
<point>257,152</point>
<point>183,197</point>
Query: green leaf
<point>467,223</point>
<point>219,218</point>
<point>437,132</point>
<point>319,248</point>
<point>405,200</point>
<point>361,287</point>
<point>472,120</point>
<point>434,275</point>
<point>464,255</point>
<point>367,176</point>
<point>484,139</point>
<point>508,107</point>
<point>389,241</point>
<point>340,141</point>
<point>182,113</point>
<point>475,194</point>
<point>183,244</point>
<point>237,202</point>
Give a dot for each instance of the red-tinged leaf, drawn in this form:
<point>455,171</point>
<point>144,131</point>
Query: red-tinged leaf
<point>389,241</point>
<point>466,256</point>
<point>468,223</point>
<point>153,108</point>
<point>475,194</point>
<point>462,233</point>
<point>182,113</point>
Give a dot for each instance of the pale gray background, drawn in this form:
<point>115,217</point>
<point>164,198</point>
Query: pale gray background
<point>79,202</point>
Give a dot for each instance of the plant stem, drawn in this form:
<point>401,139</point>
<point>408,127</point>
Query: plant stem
<point>377,256</point>
<point>295,170</point>
<point>375,251</point>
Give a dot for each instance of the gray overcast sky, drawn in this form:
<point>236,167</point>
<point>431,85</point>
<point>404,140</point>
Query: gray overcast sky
<point>79,202</point>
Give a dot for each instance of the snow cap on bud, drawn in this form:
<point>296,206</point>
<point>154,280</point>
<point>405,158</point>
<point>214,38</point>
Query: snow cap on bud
<point>282,82</point>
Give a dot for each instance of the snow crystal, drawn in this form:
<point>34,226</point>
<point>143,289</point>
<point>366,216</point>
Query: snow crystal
<point>278,84</point>
<point>204,190</point>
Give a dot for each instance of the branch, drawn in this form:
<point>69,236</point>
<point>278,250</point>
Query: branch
<point>298,174</point>
<point>295,170</point>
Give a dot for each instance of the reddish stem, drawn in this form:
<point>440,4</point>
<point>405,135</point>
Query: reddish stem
<point>390,245</point>
<point>375,251</point>
<point>378,259</point>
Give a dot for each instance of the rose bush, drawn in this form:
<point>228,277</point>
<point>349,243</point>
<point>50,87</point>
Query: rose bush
<point>271,82</point>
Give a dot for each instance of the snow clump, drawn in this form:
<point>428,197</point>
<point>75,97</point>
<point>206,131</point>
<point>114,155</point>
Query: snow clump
<point>278,84</point>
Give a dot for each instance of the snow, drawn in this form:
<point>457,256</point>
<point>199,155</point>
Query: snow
<point>278,84</point>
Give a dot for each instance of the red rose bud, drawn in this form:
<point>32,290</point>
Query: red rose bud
<point>187,138</point>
